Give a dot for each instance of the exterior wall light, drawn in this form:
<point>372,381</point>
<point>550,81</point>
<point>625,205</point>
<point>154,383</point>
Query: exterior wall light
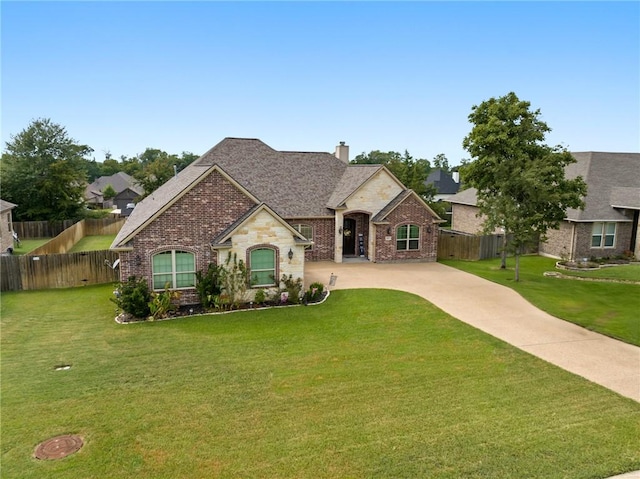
<point>290,254</point>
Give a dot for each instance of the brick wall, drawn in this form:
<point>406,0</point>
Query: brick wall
<point>558,243</point>
<point>583,241</point>
<point>411,211</point>
<point>323,236</point>
<point>189,224</point>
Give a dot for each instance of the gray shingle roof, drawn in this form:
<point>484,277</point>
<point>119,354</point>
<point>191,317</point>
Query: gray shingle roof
<point>294,184</point>
<point>443,182</point>
<point>613,180</point>
<point>119,181</point>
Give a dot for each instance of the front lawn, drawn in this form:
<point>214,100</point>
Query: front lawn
<point>372,383</point>
<point>607,308</point>
<point>93,243</point>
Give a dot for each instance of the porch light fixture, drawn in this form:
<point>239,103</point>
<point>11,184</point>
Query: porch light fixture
<point>290,254</point>
<point>340,230</point>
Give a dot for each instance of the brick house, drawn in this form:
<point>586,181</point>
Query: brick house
<point>608,225</point>
<point>6,226</point>
<point>275,210</point>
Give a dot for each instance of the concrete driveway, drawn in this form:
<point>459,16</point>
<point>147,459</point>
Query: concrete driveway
<point>501,312</point>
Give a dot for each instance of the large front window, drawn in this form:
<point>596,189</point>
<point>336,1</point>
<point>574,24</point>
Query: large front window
<point>408,237</point>
<point>603,235</point>
<point>262,267</point>
<point>176,268</point>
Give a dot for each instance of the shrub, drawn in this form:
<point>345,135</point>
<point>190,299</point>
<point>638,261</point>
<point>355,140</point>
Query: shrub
<point>233,278</point>
<point>208,285</point>
<point>293,288</point>
<point>163,303</point>
<point>133,297</point>
<point>260,297</point>
<point>314,293</point>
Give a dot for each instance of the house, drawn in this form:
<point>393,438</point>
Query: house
<point>608,225</point>
<point>275,210</point>
<point>126,188</point>
<point>445,184</point>
<point>6,226</point>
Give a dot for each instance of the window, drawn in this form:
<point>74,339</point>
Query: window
<point>306,231</point>
<point>262,265</point>
<point>408,237</point>
<point>178,268</point>
<point>603,235</point>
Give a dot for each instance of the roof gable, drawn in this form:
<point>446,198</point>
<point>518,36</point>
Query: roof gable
<point>224,238</point>
<point>164,197</point>
<point>6,205</point>
<point>397,201</point>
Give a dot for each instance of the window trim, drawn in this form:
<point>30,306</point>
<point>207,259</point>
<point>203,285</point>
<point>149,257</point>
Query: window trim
<point>173,272</point>
<point>602,235</point>
<point>251,269</point>
<point>409,238</point>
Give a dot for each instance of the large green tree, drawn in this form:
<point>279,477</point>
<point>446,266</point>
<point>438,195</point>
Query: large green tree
<point>43,171</point>
<point>520,180</point>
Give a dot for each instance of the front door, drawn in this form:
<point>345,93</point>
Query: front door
<point>349,236</point>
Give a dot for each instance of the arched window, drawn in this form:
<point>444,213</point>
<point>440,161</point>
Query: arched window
<point>262,267</point>
<point>408,237</point>
<point>178,268</point>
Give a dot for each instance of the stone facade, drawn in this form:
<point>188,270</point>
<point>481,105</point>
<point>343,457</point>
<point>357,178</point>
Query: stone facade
<point>6,231</point>
<point>411,211</point>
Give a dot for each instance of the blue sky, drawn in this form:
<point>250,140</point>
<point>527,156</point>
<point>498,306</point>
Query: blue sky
<point>181,76</point>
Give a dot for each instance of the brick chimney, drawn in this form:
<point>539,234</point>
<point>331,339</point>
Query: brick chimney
<point>342,152</point>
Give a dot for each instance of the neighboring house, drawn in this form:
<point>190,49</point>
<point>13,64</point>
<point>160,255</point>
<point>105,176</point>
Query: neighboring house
<point>126,188</point>
<point>6,226</point>
<point>608,225</point>
<point>274,210</point>
<point>445,184</point>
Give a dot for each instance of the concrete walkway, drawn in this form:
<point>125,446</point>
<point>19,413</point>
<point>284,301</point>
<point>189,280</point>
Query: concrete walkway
<point>501,312</point>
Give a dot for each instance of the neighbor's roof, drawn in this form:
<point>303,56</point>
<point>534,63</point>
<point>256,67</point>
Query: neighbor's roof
<point>119,181</point>
<point>443,182</point>
<point>613,183</point>
<point>5,205</point>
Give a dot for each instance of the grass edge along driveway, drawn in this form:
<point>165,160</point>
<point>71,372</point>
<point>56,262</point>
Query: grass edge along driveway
<point>607,308</point>
<point>373,383</point>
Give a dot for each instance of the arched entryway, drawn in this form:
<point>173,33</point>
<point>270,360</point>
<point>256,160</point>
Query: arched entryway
<point>355,235</point>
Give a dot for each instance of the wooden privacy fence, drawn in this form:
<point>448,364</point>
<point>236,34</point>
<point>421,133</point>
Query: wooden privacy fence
<point>90,227</point>
<point>453,245</point>
<point>57,270</point>
<point>40,229</point>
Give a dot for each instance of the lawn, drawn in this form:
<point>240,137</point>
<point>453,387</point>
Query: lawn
<point>93,243</point>
<point>372,383</point>
<point>28,245</point>
<point>608,308</point>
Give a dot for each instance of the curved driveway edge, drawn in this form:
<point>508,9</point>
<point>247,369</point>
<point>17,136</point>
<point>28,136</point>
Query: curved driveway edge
<point>500,312</point>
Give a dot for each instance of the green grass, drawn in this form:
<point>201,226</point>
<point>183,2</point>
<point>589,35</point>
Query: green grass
<point>624,272</point>
<point>93,243</point>
<point>373,383</point>
<point>608,308</point>
<point>28,245</point>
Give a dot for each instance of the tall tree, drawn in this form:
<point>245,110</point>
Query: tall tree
<point>43,172</point>
<point>520,180</point>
